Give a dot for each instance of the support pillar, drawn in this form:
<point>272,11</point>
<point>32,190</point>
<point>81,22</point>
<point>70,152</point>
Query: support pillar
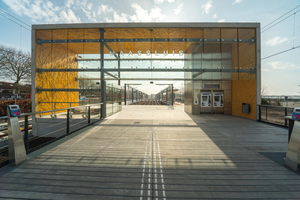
<point>172,102</point>
<point>124,94</point>
<point>132,96</point>
<point>119,73</point>
<point>103,85</point>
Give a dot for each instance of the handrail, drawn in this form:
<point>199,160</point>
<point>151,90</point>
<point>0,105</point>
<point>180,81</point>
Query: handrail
<point>34,113</point>
<point>275,106</point>
<point>5,117</point>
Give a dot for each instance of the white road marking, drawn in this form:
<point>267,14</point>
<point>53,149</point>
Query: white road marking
<point>161,174</point>
<point>144,166</point>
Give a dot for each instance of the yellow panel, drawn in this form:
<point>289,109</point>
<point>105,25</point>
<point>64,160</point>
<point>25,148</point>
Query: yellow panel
<point>244,87</point>
<point>244,91</point>
<point>44,80</point>
<point>55,55</point>
<point>212,33</point>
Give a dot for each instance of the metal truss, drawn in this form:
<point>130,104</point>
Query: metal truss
<point>201,70</point>
<point>218,40</point>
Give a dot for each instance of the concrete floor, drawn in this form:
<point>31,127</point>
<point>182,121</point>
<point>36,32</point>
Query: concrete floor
<point>158,152</point>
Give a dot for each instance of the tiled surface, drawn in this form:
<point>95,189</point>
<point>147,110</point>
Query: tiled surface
<point>159,152</point>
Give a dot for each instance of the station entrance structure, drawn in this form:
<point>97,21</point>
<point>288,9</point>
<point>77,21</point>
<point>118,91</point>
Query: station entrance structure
<point>218,62</point>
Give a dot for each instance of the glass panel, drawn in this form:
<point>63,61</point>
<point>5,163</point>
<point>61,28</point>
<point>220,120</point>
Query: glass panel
<point>204,98</point>
<point>229,52</point>
<point>212,53</point>
<point>247,56</point>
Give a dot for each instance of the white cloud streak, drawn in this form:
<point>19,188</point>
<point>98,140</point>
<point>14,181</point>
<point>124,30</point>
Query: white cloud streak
<point>276,41</point>
<point>178,9</point>
<point>221,20</point>
<point>161,1</point>
<point>215,16</point>
<point>43,11</point>
<point>237,1</point>
<point>284,66</point>
<point>140,15</point>
<point>206,7</point>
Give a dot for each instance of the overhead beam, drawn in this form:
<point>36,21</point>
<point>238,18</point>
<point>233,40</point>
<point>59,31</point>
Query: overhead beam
<point>154,79</point>
<point>39,90</point>
<point>217,40</point>
<point>110,74</point>
<point>108,47</point>
<point>201,70</point>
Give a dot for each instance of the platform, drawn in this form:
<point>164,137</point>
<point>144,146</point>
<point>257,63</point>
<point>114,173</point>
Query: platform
<point>158,152</point>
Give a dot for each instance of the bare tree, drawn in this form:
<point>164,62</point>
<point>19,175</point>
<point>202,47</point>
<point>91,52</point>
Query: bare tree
<point>14,64</point>
<point>264,90</point>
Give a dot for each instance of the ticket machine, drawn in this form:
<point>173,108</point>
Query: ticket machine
<point>205,99</point>
<point>212,102</point>
<point>16,147</point>
<point>218,100</point>
<point>296,114</point>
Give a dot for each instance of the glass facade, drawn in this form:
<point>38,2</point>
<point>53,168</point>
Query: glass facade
<point>68,62</point>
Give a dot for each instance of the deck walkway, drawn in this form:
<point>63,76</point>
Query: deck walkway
<point>158,152</point>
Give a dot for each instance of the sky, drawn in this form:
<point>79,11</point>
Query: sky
<point>280,74</point>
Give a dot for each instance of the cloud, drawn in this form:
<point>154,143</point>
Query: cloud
<point>276,41</point>
<point>281,65</point>
<point>43,11</point>
<point>237,1</point>
<point>88,14</point>
<point>140,14</point>
<point>207,6</point>
<point>161,1</point>
<point>89,6</point>
<point>69,3</point>
<point>221,20</point>
<point>68,16</point>
<point>178,9</point>
<point>215,16</point>
<point>104,9</point>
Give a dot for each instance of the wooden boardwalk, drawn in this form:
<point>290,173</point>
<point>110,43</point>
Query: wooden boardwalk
<point>158,152</point>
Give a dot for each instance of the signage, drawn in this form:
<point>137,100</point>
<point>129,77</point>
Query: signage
<point>148,53</point>
<point>196,94</point>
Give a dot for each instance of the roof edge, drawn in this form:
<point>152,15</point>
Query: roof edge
<point>151,25</point>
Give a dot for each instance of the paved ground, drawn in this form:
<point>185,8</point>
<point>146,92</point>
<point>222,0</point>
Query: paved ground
<point>158,152</point>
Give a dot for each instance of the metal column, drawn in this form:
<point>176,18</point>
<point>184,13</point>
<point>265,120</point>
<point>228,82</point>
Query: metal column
<point>119,73</point>
<point>103,85</point>
<point>132,96</point>
<point>125,94</point>
<point>167,96</point>
<point>136,93</point>
<point>172,95</point>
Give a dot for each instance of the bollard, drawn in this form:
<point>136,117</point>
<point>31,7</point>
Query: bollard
<point>16,147</point>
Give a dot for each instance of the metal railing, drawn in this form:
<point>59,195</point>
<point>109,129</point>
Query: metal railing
<point>274,114</point>
<point>69,120</point>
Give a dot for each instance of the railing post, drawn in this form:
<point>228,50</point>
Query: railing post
<point>89,113</point>
<point>54,110</point>
<point>68,121</point>
<point>266,113</point>
<point>259,112</point>
<point>101,111</point>
<point>26,134</point>
<point>285,114</point>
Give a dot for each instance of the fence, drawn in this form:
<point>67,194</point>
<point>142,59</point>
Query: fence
<point>275,114</point>
<point>48,128</point>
